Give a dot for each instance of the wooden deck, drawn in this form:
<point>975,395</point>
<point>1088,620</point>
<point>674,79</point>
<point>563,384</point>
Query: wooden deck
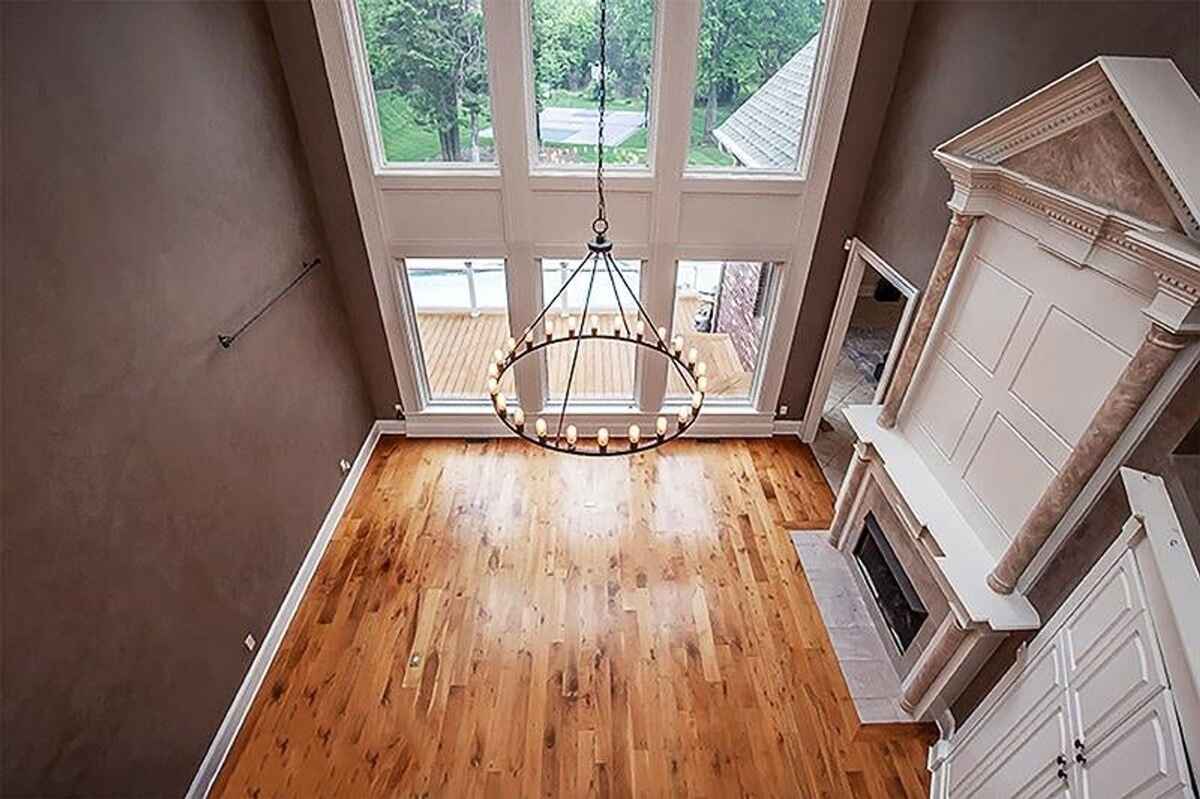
<point>490,619</point>
<point>458,348</point>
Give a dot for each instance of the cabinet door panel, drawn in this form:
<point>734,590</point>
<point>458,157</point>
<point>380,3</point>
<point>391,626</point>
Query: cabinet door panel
<point>1123,675</point>
<point>1142,757</point>
<point>985,747</point>
<point>1027,768</point>
<point>1106,610</point>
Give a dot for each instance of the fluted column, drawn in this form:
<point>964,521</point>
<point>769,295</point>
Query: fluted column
<point>1110,420</point>
<point>933,661</point>
<point>918,336</point>
<point>863,452</point>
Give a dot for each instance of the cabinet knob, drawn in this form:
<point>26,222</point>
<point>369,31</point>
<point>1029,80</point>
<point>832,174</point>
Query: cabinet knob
<point>1080,759</point>
<point>1079,744</point>
<point>1062,775</point>
<point>1061,760</point>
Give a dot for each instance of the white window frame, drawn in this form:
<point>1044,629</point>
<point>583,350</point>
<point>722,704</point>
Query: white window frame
<point>662,213</point>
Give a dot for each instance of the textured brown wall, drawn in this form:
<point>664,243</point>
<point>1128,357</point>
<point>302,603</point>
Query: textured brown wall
<point>300,53</point>
<point>964,62</point>
<point>159,493</point>
<point>883,42</point>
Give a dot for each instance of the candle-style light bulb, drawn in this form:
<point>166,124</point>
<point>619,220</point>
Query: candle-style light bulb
<point>493,370</point>
<point>572,326</point>
<point>572,435</point>
<point>662,336</point>
<point>493,386</point>
<point>697,400</point>
<point>635,435</point>
<point>518,418</point>
<point>677,345</point>
<point>660,426</point>
<point>529,339</point>
<point>549,330</point>
<point>595,324</point>
<point>498,356</point>
<point>540,427</point>
<point>692,356</point>
<point>639,329</point>
<point>701,369</point>
<point>501,404</point>
<point>702,384</point>
<point>685,415</point>
<point>617,326</point>
<point>602,438</point>
<point>510,344</point>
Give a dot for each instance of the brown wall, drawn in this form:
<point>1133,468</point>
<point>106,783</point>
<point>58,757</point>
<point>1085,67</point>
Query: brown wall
<point>159,493</point>
<point>962,62</point>
<point>300,53</point>
<point>883,43</point>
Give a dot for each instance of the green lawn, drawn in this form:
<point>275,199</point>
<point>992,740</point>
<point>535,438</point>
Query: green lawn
<point>406,140</point>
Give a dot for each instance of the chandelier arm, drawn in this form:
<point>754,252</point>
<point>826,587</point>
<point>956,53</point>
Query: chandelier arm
<point>546,308</point>
<point>562,414</point>
<point>620,306</point>
<point>688,381</point>
<point>600,225</point>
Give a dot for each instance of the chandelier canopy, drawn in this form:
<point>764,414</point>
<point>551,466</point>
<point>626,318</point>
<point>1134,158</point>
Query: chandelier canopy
<point>598,263</point>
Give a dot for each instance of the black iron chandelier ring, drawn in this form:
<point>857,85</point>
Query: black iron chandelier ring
<point>539,433</point>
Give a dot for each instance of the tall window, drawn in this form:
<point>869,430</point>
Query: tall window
<point>605,370</point>
<point>720,310</point>
<point>429,75</point>
<point>462,316</point>
<point>754,74</point>
<point>566,80</point>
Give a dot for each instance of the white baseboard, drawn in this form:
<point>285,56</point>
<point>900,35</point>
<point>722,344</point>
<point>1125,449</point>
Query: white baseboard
<point>789,427</point>
<point>218,750</point>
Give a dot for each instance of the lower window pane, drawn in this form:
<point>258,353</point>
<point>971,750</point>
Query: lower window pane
<point>721,309</point>
<point>605,368</point>
<point>462,317</point>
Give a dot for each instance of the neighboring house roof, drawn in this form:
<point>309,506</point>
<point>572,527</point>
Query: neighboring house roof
<point>764,132</point>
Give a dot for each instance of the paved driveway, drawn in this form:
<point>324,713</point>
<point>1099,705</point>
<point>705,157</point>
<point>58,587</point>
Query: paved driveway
<point>578,126</point>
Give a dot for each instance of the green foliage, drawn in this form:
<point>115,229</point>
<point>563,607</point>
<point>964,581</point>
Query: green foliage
<point>434,52</point>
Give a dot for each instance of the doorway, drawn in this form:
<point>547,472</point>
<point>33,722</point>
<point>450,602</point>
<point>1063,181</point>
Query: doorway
<point>870,320</point>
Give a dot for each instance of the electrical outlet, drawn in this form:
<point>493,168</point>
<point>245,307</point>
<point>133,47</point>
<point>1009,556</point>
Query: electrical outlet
<point>344,465</point>
<point>783,409</point>
<point>250,642</point>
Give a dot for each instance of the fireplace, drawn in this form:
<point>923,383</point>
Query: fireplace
<point>893,593</point>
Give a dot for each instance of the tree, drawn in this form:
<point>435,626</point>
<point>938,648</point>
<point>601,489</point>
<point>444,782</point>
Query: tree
<point>434,52</point>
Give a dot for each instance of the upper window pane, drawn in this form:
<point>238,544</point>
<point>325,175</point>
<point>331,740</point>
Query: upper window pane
<point>566,69</point>
<point>428,62</point>
<point>757,61</point>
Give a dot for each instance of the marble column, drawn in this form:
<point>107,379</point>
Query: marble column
<point>863,452</point>
<point>1110,420</point>
<point>918,336</point>
<point>933,661</point>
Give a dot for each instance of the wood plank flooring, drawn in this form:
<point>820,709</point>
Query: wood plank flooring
<point>458,347</point>
<point>495,620</point>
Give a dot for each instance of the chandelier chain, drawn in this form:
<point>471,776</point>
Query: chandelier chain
<point>600,226</point>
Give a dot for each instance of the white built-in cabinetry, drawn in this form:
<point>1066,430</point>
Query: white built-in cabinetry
<point>1088,711</point>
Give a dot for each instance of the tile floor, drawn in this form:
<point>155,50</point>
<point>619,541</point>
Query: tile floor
<point>870,675</point>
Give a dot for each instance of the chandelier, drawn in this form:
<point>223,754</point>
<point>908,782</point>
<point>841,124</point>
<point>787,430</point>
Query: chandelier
<point>597,264</point>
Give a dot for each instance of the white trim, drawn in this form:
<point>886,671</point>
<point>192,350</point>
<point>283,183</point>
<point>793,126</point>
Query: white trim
<point>859,256</point>
<point>474,421</point>
<point>218,750</point>
<point>788,427</point>
<point>1133,434</point>
<point>1172,585</point>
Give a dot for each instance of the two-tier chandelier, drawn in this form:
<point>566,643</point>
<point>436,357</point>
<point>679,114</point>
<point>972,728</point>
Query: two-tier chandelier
<point>598,263</point>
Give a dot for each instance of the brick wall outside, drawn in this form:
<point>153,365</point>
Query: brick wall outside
<point>739,287</point>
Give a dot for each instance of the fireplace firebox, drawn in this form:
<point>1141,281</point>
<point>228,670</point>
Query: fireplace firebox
<point>902,609</point>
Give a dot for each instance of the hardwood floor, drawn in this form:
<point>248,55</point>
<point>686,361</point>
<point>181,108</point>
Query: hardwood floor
<point>492,619</point>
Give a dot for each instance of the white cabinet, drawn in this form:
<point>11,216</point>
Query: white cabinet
<point>1089,713</point>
